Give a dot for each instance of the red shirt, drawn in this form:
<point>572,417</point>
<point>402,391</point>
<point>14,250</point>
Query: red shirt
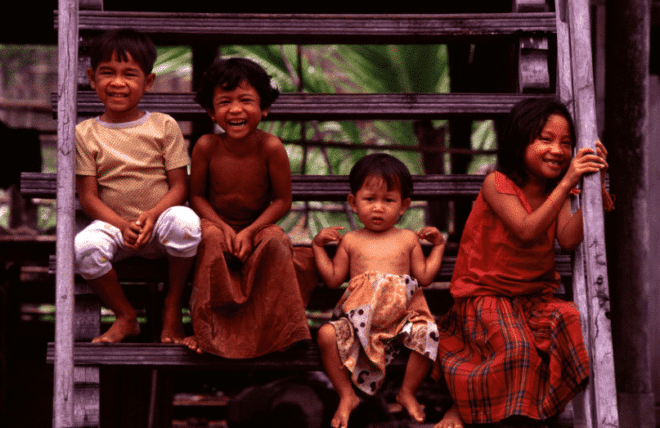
<point>491,261</point>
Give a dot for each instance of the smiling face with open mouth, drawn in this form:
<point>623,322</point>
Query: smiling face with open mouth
<point>550,153</point>
<point>120,86</point>
<point>237,111</point>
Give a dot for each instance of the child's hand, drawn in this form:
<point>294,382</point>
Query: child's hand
<point>242,244</point>
<point>329,234</point>
<point>585,161</point>
<point>432,235</point>
<point>145,226</point>
<point>601,152</point>
<point>130,233</point>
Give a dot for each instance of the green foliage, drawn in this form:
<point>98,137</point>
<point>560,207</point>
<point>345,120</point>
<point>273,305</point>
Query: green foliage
<point>175,59</point>
<point>349,69</point>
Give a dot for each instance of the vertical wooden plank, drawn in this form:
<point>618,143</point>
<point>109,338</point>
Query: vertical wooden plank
<point>86,397</point>
<point>604,411</point>
<point>582,409</point>
<point>64,299</point>
<point>629,138</point>
<point>533,72</point>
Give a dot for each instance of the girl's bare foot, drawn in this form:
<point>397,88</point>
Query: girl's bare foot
<point>172,326</point>
<point>451,419</point>
<point>346,406</point>
<point>410,403</point>
<point>119,330</point>
<point>191,343</point>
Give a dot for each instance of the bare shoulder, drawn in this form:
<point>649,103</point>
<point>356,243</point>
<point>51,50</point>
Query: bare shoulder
<point>489,190</point>
<point>489,182</point>
<point>206,144</point>
<point>408,238</point>
<point>407,235</point>
<point>270,144</point>
<point>351,236</point>
<point>350,239</point>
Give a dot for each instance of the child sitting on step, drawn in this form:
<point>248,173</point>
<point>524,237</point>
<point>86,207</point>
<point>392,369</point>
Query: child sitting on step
<point>251,286</point>
<point>383,306</point>
<point>509,350</point>
<point>132,181</point>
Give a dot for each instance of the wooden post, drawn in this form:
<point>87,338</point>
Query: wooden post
<point>599,402</point>
<point>64,298</point>
<point>627,135</point>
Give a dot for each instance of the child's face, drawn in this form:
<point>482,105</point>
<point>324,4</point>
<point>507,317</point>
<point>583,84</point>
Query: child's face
<point>120,86</point>
<point>377,207</point>
<point>549,154</point>
<point>238,111</point>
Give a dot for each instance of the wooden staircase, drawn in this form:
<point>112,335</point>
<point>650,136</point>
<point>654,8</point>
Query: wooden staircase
<point>545,41</point>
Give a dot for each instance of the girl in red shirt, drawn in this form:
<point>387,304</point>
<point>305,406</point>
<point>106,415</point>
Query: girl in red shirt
<point>509,349</point>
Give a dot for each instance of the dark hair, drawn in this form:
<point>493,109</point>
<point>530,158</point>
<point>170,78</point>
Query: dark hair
<point>123,41</point>
<point>524,124</point>
<point>231,72</point>
<point>384,166</point>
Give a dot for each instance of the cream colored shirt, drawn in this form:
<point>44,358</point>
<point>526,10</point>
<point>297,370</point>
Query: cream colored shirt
<point>130,160</point>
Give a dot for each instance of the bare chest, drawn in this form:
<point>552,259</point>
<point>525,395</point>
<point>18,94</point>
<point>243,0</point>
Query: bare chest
<point>386,257</point>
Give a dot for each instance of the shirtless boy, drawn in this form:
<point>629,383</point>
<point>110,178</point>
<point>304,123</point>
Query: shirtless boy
<point>240,185</point>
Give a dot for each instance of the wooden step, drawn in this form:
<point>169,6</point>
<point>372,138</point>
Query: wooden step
<point>301,357</point>
<point>143,270</point>
<point>310,187</point>
<point>245,28</point>
<point>302,106</point>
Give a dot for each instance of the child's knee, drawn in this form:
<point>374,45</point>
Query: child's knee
<point>179,231</point>
<point>326,336</point>
<point>277,243</point>
<point>92,257</point>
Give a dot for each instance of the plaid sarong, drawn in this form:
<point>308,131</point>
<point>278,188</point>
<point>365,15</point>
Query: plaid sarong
<point>505,356</point>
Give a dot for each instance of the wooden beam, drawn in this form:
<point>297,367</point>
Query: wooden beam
<point>591,290</point>
<point>357,106</point>
<point>311,187</point>
<point>246,28</point>
<point>63,403</point>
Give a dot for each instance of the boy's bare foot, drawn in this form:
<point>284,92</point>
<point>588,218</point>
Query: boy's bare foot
<point>191,343</point>
<point>410,403</point>
<point>118,331</point>
<point>346,406</point>
<point>172,326</point>
<point>452,419</point>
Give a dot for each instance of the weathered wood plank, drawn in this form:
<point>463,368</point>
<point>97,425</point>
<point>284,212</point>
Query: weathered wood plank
<point>304,356</point>
<point>302,106</point>
<point>63,391</point>
<point>246,28</point>
<point>139,270</point>
<point>310,187</point>
<point>599,404</point>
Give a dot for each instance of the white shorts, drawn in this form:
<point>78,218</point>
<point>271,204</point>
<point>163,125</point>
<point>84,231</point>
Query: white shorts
<point>176,232</point>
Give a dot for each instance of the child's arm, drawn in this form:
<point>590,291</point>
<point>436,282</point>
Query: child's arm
<point>176,195</point>
<point>279,170</point>
<point>93,206</point>
<point>333,272</point>
<point>530,227</point>
<point>570,231</point>
<point>425,269</point>
<point>199,171</point>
